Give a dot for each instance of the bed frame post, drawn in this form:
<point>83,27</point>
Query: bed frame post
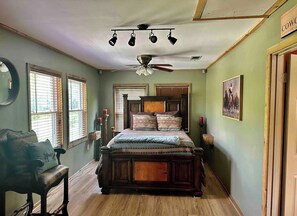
<point>105,170</point>
<point>184,110</point>
<point>126,112</point>
<point>198,171</point>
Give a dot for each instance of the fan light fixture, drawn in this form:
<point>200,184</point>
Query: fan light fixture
<point>144,70</point>
<point>142,27</point>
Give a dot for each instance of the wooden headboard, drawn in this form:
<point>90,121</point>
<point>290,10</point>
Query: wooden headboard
<point>157,104</point>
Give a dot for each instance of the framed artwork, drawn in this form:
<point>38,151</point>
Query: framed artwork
<point>232,97</point>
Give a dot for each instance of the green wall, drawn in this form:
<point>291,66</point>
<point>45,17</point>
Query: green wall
<point>15,116</point>
<point>238,155</point>
<point>195,77</point>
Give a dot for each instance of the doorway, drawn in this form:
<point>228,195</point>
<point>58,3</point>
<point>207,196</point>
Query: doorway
<point>279,86</point>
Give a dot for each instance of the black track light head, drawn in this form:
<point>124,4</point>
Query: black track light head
<point>132,39</point>
<point>113,40</point>
<point>152,37</point>
<point>171,39</point>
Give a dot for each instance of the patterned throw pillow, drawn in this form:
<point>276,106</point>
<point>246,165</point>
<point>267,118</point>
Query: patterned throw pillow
<point>17,147</point>
<point>144,122</point>
<point>138,113</point>
<point>169,123</point>
<point>172,113</point>
<point>45,152</point>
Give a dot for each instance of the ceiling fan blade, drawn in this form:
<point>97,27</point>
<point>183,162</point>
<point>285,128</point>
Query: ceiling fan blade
<point>168,65</point>
<point>162,68</point>
<point>134,65</point>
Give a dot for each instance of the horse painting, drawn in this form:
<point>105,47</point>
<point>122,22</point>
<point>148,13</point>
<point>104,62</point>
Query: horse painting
<point>232,92</point>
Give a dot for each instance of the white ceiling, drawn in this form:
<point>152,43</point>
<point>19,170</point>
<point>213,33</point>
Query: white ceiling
<point>82,28</point>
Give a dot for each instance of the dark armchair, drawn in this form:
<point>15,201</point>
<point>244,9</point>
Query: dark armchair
<point>22,171</point>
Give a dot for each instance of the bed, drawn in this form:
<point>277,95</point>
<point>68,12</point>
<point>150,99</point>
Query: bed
<point>143,159</point>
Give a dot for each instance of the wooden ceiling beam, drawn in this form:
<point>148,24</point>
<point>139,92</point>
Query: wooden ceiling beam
<point>234,17</point>
<point>202,3</point>
<point>199,9</point>
<point>270,11</point>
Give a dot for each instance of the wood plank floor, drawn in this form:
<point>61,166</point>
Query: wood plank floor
<point>85,198</point>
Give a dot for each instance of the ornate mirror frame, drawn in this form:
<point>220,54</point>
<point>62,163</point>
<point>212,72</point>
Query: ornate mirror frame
<point>15,83</point>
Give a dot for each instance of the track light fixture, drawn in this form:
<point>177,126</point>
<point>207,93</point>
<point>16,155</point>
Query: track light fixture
<point>131,42</point>
<point>142,27</point>
<point>113,40</point>
<point>171,39</point>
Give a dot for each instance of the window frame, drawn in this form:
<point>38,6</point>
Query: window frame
<point>127,86</point>
<point>178,85</point>
<point>60,100</point>
<point>84,138</point>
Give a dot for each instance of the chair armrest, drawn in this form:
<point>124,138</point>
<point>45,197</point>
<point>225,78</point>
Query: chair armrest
<point>36,163</point>
<point>59,151</point>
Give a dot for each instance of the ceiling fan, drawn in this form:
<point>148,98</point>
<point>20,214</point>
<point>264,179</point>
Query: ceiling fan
<point>146,69</point>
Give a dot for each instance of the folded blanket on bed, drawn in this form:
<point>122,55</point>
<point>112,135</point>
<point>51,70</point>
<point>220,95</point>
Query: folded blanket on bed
<point>124,138</point>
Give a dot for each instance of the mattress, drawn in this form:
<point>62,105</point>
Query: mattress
<point>152,142</point>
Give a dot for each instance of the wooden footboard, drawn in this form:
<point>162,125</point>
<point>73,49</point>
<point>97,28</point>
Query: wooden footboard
<point>152,172</point>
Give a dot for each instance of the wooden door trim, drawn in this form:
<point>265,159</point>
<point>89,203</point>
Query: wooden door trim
<point>269,134</point>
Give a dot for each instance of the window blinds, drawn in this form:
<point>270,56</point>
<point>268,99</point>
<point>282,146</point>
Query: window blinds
<point>77,106</point>
<point>46,106</point>
<point>133,94</point>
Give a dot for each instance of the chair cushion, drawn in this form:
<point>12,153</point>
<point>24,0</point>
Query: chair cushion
<point>52,176</point>
<point>45,152</point>
<point>17,149</point>
<point>25,183</point>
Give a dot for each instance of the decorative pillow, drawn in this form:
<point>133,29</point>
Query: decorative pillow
<point>45,152</point>
<point>172,113</point>
<point>144,122</point>
<point>138,113</point>
<point>17,148</point>
<point>169,123</point>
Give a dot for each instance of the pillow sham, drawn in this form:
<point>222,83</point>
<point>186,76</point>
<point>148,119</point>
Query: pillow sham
<point>169,123</point>
<point>144,122</point>
<point>17,148</point>
<point>172,113</point>
<point>43,151</point>
<point>138,113</point>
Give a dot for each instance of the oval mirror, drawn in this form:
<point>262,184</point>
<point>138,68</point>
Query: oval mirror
<point>9,82</point>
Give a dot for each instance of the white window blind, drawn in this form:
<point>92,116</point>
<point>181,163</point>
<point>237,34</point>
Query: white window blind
<point>77,105</point>
<point>46,105</point>
<point>133,94</point>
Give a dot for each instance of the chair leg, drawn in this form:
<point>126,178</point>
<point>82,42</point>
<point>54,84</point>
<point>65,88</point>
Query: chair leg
<point>2,203</point>
<point>66,198</point>
<point>30,201</point>
<point>43,203</point>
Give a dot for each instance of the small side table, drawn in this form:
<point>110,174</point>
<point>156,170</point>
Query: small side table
<point>208,145</point>
<point>96,137</point>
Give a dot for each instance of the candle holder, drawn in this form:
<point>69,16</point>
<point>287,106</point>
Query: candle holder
<point>105,117</point>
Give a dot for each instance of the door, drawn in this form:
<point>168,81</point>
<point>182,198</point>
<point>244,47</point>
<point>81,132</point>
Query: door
<point>290,165</point>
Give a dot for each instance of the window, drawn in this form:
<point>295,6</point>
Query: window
<point>175,91</point>
<point>133,91</point>
<point>46,115</point>
<point>77,110</point>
